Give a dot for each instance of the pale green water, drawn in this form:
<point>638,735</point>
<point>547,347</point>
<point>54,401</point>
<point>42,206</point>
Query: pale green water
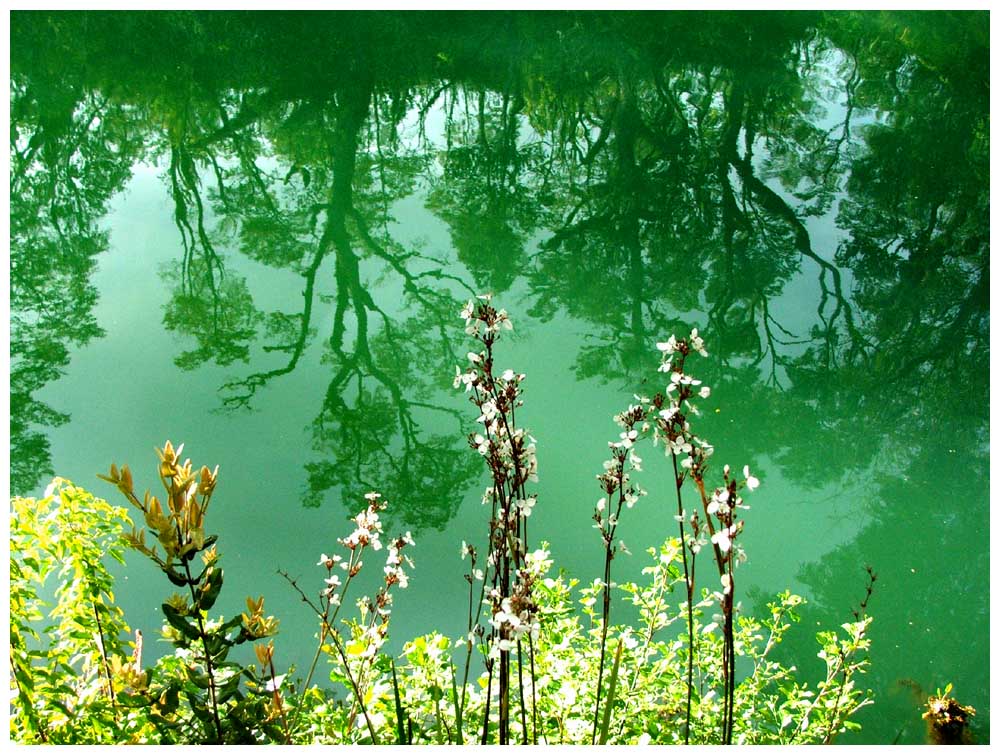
<point>811,191</point>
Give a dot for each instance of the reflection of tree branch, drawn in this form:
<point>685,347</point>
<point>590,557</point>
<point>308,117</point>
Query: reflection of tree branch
<point>248,115</point>
<point>602,138</point>
<point>184,189</point>
<point>850,88</point>
<point>773,203</point>
<point>255,381</point>
<point>410,281</point>
<point>948,338</point>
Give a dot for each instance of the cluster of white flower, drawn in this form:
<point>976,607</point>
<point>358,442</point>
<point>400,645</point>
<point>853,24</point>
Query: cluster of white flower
<point>368,526</point>
<point>479,326</point>
<point>394,573</point>
<point>693,342</point>
<point>668,414</point>
<point>513,618</point>
<point>367,532</point>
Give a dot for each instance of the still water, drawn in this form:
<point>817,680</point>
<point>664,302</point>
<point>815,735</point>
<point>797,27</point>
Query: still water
<point>253,233</point>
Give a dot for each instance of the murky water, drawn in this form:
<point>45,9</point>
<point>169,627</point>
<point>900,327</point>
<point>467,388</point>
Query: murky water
<point>253,233</point>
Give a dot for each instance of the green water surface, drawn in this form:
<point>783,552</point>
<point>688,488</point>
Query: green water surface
<point>253,233</point>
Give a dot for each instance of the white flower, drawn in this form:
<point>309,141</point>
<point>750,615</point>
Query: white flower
<point>679,446</point>
<point>474,357</point>
<point>489,412</point>
<point>696,343</point>
<point>327,561</point>
<point>721,538</point>
<point>467,379</point>
<point>719,501</point>
<point>752,482</point>
<point>705,391</point>
<point>727,584</point>
<point>524,505</point>
<point>668,413</point>
<point>669,346</point>
<point>332,582</point>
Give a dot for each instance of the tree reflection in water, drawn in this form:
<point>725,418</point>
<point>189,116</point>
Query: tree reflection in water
<point>639,173</point>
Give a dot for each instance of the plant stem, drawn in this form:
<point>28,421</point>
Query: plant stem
<point>605,612</point>
<point>689,585</point>
<point>209,670</point>
<point>534,701</point>
<point>520,689</point>
<point>104,659</point>
<point>278,703</point>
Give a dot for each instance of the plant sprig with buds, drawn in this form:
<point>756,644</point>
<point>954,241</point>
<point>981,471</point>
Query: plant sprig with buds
<point>211,686</point>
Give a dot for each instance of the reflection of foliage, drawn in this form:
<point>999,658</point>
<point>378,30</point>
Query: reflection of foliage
<point>333,202</point>
<point>69,156</point>
<point>675,162</point>
<point>220,317</point>
<point>916,211</point>
<point>484,193</point>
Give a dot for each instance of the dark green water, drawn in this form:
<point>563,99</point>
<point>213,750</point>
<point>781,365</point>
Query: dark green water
<point>253,233</point>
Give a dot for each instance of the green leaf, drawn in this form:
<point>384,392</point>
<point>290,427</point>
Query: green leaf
<point>179,622</point>
<point>132,701</point>
<point>231,624</point>
<point>230,688</point>
<point>201,681</point>
<point>178,579</point>
<point>210,592</point>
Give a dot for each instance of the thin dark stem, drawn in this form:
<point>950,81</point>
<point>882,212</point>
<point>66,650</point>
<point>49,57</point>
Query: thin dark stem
<point>606,610</point>
<point>609,554</point>
<point>689,585</point>
<point>486,711</point>
<point>104,658</point>
<point>534,700</point>
<point>520,689</point>
<point>209,670</point>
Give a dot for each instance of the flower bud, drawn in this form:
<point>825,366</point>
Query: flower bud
<point>126,480</point>
<point>264,653</point>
